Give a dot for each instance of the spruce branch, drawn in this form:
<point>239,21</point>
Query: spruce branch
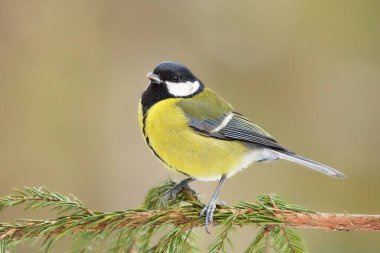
<point>39,197</point>
<point>173,221</point>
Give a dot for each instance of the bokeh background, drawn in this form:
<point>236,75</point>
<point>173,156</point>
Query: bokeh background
<point>71,74</point>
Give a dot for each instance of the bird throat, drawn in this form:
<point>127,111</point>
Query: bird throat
<point>154,93</point>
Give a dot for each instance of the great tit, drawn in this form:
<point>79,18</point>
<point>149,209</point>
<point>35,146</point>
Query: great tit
<point>193,130</point>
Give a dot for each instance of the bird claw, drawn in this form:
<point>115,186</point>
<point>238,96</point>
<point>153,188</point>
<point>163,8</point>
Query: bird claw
<point>209,210</point>
<point>173,192</point>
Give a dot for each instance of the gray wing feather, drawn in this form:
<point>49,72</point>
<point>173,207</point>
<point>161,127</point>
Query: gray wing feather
<point>237,128</point>
<point>310,164</point>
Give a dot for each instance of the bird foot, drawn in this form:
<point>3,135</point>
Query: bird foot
<point>209,210</point>
<point>172,192</point>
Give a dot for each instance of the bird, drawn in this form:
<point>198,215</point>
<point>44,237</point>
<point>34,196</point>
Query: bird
<point>194,131</point>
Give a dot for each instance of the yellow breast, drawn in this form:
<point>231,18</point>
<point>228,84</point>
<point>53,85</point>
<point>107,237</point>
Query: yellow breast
<point>182,149</point>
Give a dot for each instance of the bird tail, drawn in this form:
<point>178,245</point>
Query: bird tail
<point>310,164</point>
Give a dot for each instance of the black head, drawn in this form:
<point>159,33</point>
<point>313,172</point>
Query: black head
<point>174,72</point>
<point>170,80</point>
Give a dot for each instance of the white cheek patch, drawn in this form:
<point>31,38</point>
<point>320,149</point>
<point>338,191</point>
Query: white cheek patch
<point>183,89</point>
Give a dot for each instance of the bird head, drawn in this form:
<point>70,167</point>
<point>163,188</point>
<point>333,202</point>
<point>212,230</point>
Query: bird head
<point>176,79</point>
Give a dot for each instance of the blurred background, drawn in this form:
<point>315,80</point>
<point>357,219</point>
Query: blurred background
<point>72,72</point>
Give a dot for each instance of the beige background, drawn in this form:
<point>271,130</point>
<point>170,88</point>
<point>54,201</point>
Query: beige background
<point>71,74</point>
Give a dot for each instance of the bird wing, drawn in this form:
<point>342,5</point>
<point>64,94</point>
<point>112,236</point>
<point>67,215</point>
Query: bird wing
<point>234,126</point>
<point>222,122</point>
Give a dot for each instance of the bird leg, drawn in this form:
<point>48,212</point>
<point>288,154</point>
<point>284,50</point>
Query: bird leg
<point>172,192</point>
<point>209,209</point>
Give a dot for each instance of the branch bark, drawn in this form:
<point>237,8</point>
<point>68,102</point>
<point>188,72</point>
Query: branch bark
<point>332,221</point>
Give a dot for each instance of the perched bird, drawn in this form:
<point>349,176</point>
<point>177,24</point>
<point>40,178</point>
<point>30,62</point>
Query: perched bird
<point>193,130</point>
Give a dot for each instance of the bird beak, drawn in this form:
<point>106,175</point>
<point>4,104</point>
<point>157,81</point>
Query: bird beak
<point>154,78</point>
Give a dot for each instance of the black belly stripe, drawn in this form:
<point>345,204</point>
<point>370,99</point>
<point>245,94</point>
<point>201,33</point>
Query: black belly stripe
<point>148,142</point>
<point>143,123</point>
<point>162,160</point>
<point>155,153</point>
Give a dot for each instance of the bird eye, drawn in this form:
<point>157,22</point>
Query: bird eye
<point>176,78</point>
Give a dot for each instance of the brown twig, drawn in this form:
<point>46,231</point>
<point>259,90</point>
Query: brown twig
<point>332,221</point>
<point>324,221</point>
